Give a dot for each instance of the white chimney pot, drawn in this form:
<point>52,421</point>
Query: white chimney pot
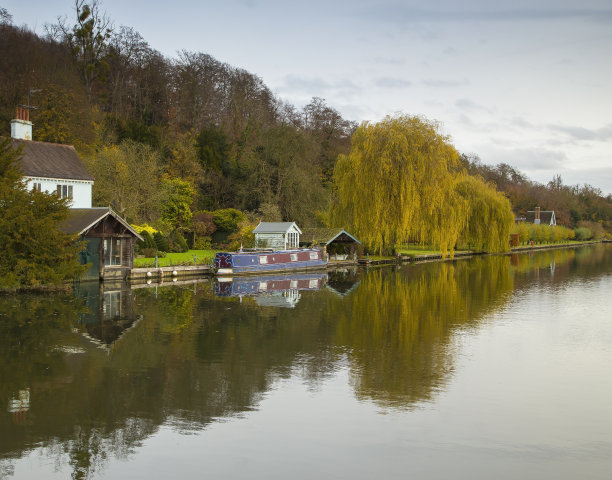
<point>21,129</point>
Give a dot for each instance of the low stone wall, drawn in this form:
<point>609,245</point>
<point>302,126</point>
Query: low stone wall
<point>164,273</point>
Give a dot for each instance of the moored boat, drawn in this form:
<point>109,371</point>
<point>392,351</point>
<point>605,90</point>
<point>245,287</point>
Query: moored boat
<point>244,262</point>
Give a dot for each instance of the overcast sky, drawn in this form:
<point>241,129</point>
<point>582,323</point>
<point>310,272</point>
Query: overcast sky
<point>528,83</point>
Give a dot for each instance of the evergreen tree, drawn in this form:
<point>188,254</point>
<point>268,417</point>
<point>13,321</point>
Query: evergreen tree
<point>34,251</point>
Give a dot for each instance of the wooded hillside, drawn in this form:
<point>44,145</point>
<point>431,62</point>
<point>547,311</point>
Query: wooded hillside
<point>154,129</point>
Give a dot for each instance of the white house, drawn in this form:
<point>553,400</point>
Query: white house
<point>55,168</point>
<point>51,167</point>
<point>278,235</point>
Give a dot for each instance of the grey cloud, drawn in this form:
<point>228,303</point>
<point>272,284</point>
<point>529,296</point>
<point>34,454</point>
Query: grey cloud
<point>317,85</point>
<point>583,134</point>
<point>445,83</point>
<point>388,61</point>
<point>466,104</point>
<point>392,82</point>
<point>532,159</point>
<point>464,119</point>
<point>483,11</point>
<point>598,177</point>
<point>521,122</point>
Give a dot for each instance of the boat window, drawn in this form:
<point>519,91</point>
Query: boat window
<point>294,257</point>
<point>263,260</point>
<point>314,255</point>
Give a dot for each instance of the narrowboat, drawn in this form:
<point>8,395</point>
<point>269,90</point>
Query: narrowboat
<point>262,261</point>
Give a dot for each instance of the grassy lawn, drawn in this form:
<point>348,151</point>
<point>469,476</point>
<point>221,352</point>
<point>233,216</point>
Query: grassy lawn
<point>191,257</point>
<point>417,250</point>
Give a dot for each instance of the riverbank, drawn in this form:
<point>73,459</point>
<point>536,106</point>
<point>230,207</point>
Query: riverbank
<point>172,273</point>
<point>401,259</point>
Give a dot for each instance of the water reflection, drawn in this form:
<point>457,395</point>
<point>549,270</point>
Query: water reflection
<point>109,311</point>
<point>270,290</point>
<point>188,354</point>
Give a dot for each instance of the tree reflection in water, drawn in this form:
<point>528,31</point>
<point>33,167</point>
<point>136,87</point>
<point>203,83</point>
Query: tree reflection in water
<point>187,357</point>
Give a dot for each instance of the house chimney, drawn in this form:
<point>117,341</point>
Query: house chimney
<point>537,216</point>
<point>21,127</point>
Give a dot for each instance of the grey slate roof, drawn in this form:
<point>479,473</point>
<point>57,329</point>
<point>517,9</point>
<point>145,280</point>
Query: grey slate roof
<point>546,216</point>
<point>274,227</point>
<point>51,160</point>
<point>80,220</point>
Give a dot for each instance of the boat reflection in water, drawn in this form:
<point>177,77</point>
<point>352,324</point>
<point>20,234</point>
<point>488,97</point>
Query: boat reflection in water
<point>270,290</point>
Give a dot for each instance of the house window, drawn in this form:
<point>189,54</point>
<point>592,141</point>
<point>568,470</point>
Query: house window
<point>112,251</point>
<point>64,191</point>
<point>293,239</point>
<point>37,186</point>
<point>111,307</point>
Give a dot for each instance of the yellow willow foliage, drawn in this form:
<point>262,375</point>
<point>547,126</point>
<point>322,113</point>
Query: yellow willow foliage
<point>414,313</point>
<point>489,215</point>
<point>396,185</point>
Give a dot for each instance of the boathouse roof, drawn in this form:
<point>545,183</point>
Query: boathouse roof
<point>81,220</point>
<point>325,236</point>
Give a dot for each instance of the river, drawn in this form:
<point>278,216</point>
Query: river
<point>489,367</point>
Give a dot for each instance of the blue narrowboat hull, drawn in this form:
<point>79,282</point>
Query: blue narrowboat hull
<point>232,263</point>
<point>269,283</point>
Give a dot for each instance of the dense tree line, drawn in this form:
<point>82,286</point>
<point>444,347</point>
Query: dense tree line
<point>574,205</point>
<point>150,127</point>
<point>192,118</point>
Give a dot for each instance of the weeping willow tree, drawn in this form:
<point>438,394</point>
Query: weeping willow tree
<point>396,185</point>
<point>489,216</point>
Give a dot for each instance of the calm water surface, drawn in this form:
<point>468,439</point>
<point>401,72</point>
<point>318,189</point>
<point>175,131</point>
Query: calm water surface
<point>495,367</point>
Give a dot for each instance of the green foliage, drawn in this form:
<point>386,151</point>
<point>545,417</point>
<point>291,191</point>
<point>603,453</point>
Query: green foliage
<point>183,160</point>
<point>543,233</point>
<point>396,185</point>
<point>583,233</point>
<point>161,242</point>
<point>489,215</point>
<point>227,219</point>
<point>243,237</point>
<point>595,227</point>
<point>523,231</point>
<point>177,197</point>
<point>136,131</point>
<point>34,250</point>
<point>214,149</point>
<point>147,243</point>
<point>127,178</point>
<point>177,243</point>
<point>148,252</point>
<point>202,256</point>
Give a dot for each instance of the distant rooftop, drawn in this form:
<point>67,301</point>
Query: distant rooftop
<point>275,227</point>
